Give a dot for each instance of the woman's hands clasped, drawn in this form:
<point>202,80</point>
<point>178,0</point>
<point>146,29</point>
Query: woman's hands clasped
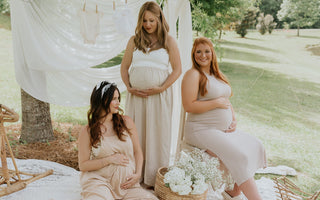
<point>144,93</point>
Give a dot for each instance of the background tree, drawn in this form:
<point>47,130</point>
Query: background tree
<point>270,7</point>
<point>248,21</point>
<point>222,13</point>
<point>201,21</point>
<point>261,27</point>
<point>265,23</point>
<point>36,120</point>
<point>301,13</point>
<point>4,7</point>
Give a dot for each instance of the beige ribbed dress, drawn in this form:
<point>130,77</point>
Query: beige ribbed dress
<point>241,153</point>
<point>152,115</point>
<point>104,184</point>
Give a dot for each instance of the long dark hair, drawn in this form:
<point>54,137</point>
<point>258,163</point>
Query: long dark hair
<point>100,100</point>
<point>142,40</point>
<point>214,67</point>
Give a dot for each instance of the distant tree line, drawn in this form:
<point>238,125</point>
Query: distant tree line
<point>212,17</point>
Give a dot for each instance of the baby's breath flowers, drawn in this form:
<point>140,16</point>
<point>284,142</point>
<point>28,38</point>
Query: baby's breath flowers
<point>192,172</point>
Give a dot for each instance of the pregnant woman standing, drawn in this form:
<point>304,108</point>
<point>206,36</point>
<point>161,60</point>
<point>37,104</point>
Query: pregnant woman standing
<point>211,123</point>
<point>150,53</point>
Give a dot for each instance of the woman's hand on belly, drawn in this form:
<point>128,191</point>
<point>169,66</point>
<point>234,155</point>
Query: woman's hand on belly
<point>137,92</point>
<point>130,181</point>
<point>118,159</point>
<point>222,102</point>
<point>232,127</point>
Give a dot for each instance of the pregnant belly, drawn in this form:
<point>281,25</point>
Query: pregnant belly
<point>218,118</point>
<point>147,77</point>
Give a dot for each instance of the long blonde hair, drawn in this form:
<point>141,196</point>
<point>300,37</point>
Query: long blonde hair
<point>142,41</point>
<point>214,67</point>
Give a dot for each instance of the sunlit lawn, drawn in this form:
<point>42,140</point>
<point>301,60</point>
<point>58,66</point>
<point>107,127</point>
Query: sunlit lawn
<point>276,86</point>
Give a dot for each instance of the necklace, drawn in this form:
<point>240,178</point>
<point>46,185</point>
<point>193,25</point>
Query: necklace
<point>151,45</point>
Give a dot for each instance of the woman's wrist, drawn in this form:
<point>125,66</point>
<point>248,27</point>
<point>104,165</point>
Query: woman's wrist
<point>104,161</point>
<point>138,174</point>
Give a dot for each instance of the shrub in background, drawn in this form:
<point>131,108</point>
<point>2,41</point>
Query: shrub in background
<point>265,24</point>
<point>4,7</point>
<point>248,20</point>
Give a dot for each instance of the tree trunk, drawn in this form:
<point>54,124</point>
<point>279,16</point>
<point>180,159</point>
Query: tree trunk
<point>220,34</point>
<point>298,30</point>
<point>36,120</point>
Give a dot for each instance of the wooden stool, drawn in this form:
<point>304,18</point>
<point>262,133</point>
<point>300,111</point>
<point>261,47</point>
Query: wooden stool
<point>287,190</point>
<point>12,178</point>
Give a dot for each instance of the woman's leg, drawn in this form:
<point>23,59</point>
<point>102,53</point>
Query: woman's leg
<point>250,190</point>
<point>236,190</point>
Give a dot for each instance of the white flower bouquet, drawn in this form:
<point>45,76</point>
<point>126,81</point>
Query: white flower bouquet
<point>192,172</point>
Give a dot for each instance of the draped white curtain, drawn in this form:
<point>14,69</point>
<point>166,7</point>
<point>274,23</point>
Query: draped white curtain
<point>53,63</point>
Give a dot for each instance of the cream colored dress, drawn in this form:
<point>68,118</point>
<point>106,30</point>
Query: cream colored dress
<point>104,184</point>
<point>152,115</point>
<point>241,153</point>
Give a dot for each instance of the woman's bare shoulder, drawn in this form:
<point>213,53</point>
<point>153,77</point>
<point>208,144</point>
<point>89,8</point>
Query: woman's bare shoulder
<point>85,131</point>
<point>128,121</point>
<point>192,73</point>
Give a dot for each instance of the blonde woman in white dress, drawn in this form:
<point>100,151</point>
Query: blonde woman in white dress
<point>211,122</point>
<point>155,65</point>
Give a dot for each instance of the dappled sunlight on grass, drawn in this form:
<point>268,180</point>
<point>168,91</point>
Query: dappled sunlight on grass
<point>245,45</point>
<point>277,97</point>
<point>234,54</point>
<point>277,109</point>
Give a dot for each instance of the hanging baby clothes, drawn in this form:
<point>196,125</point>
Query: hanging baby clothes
<point>124,21</point>
<point>90,24</point>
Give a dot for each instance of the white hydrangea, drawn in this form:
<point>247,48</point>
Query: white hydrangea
<point>174,175</point>
<point>192,171</point>
<point>199,187</point>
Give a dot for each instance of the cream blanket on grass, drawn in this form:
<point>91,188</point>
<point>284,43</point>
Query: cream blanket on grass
<point>64,184</point>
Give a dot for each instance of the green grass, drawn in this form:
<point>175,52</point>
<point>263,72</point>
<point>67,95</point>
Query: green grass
<point>276,86</point>
<point>278,101</point>
<point>5,22</point>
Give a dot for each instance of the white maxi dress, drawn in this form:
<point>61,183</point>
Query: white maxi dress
<point>152,115</point>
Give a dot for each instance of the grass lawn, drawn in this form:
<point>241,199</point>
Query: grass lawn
<point>276,86</point>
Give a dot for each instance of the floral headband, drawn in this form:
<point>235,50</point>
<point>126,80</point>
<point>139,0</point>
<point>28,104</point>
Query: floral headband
<point>105,88</point>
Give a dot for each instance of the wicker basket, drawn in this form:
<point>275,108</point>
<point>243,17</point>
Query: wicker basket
<point>165,193</point>
<point>289,191</point>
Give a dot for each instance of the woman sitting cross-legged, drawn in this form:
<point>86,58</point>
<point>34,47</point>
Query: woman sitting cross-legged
<point>211,122</point>
<point>110,156</point>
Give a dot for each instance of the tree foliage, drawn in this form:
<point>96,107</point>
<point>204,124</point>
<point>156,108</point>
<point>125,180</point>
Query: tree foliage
<point>4,7</point>
<point>265,24</point>
<point>218,14</point>
<point>270,7</point>
<point>248,20</point>
<point>301,13</point>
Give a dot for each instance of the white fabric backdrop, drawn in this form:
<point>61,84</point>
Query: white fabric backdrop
<point>52,61</point>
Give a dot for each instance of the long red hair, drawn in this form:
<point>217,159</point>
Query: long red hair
<point>214,67</point>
